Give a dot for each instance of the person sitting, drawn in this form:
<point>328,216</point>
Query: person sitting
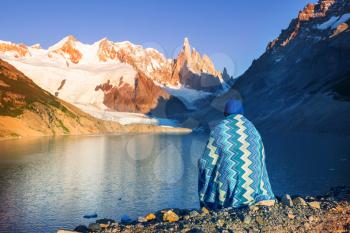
<point>232,170</point>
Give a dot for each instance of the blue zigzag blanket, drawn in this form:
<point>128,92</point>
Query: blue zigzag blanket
<point>232,171</point>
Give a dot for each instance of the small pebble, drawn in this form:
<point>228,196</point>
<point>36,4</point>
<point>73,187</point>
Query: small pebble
<point>205,210</point>
<point>247,219</point>
<point>314,204</point>
<point>287,200</point>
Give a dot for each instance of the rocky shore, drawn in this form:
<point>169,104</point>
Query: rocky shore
<point>326,213</point>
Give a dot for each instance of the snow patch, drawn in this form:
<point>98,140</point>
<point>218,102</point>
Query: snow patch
<point>334,22</point>
<point>123,118</point>
<point>187,96</point>
<point>278,59</point>
<point>81,81</point>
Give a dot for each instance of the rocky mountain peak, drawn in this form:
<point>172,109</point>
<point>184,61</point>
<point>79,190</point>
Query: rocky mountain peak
<point>325,4</point>
<point>307,12</point>
<point>106,50</point>
<point>187,50</point>
<point>186,45</point>
<point>17,50</point>
<point>313,10</point>
<point>70,39</point>
<point>308,20</point>
<point>36,46</point>
<point>194,70</point>
<point>67,48</point>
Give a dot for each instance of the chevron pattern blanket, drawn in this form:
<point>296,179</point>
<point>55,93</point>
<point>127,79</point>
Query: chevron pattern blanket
<point>232,171</point>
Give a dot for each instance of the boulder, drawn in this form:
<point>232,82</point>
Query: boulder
<point>299,201</point>
<point>194,213</point>
<point>82,229</point>
<point>170,216</point>
<point>314,204</point>
<point>266,203</point>
<point>150,217</point>
<point>254,207</point>
<point>94,227</point>
<point>247,219</point>
<point>142,219</point>
<point>104,225</point>
<point>205,210</point>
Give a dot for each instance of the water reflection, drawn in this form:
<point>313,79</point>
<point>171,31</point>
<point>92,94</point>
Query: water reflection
<point>51,183</point>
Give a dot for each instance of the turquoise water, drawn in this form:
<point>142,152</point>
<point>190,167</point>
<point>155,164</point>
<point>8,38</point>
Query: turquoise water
<point>51,183</point>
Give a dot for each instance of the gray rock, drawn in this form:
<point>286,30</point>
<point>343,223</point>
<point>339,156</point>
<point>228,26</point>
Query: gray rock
<point>220,222</point>
<point>82,229</point>
<point>287,200</point>
<point>315,204</point>
<point>142,219</point>
<point>299,201</point>
<point>259,220</point>
<point>194,214</point>
<point>247,219</point>
<point>94,227</point>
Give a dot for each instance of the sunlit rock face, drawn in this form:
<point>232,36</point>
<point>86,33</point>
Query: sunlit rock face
<point>196,71</point>
<point>119,76</point>
<point>302,80</point>
<point>141,97</point>
<point>16,50</point>
<point>67,49</point>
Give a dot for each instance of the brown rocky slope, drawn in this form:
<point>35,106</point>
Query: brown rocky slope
<point>28,110</point>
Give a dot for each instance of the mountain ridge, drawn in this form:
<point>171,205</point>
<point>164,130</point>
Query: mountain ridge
<point>301,82</point>
<point>114,72</point>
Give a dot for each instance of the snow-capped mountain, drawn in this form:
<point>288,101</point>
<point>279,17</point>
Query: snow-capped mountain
<point>302,80</point>
<point>115,76</point>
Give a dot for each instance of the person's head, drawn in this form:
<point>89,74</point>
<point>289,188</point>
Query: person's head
<point>233,106</point>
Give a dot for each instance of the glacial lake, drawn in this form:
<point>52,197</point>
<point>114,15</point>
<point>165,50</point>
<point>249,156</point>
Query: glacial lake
<point>48,184</point>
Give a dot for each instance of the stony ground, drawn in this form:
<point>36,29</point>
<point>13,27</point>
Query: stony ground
<point>328,213</point>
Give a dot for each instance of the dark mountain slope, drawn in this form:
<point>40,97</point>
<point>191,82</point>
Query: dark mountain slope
<point>302,81</point>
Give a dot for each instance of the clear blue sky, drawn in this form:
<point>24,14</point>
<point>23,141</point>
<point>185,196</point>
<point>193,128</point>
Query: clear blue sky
<point>231,30</point>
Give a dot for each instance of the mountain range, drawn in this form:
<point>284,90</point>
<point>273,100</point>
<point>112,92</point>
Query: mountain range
<point>116,76</point>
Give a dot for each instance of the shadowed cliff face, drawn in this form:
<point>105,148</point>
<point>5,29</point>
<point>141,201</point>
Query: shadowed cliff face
<point>302,80</point>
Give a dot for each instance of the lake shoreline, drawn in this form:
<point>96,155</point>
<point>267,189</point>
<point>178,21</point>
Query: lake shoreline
<point>327,213</point>
<point>126,129</point>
